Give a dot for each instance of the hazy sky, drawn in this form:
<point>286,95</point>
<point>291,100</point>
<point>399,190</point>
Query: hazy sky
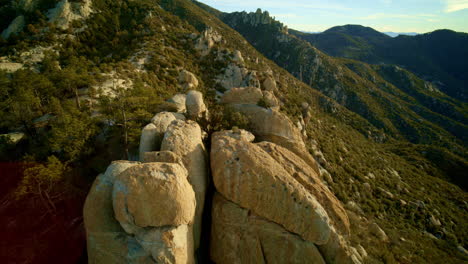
<point>384,15</point>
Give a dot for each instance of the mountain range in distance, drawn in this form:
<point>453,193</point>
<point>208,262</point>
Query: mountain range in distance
<point>391,34</point>
<point>396,34</point>
<point>424,54</point>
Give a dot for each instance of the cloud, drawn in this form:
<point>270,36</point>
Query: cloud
<point>455,5</point>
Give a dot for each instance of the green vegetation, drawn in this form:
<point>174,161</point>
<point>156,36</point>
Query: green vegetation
<point>223,118</point>
<point>45,182</point>
<point>374,120</point>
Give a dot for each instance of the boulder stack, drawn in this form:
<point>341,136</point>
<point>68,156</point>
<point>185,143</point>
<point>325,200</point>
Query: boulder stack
<point>270,204</point>
<point>151,212</point>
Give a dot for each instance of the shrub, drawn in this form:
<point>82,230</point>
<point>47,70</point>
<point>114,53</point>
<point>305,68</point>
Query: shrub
<point>224,118</point>
<point>45,182</point>
<point>263,103</point>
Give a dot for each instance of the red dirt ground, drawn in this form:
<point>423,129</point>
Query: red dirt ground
<point>30,234</point>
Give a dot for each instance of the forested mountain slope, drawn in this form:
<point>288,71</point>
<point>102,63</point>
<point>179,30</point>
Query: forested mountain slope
<point>77,89</point>
<point>437,57</point>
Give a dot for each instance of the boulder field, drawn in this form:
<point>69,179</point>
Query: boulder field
<point>270,204</point>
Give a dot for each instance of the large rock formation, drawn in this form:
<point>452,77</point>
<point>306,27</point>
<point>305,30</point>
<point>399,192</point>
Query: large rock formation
<point>195,105</point>
<point>207,40</point>
<point>233,76</point>
<point>247,175</point>
<point>239,236</point>
<point>270,204</point>
<point>274,126</point>
<point>179,101</point>
<point>155,203</point>
<point>188,80</point>
<point>133,188</point>
<point>153,133</point>
<point>148,139</point>
<point>184,138</point>
<point>106,240</point>
<point>307,177</point>
<point>151,212</point>
<point>243,95</point>
<point>279,191</point>
<point>154,207</point>
<point>66,12</point>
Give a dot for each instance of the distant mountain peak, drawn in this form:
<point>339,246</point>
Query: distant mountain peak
<point>356,30</point>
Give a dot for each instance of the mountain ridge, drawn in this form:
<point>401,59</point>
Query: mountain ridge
<point>420,54</point>
<point>172,86</point>
<point>295,68</point>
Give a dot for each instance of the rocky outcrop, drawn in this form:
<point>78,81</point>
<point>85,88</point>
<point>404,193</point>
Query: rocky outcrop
<point>153,133</point>
<point>244,95</point>
<point>140,213</point>
<point>271,100</point>
<point>247,175</point>
<point>148,139</point>
<point>236,75</point>
<point>187,80</point>
<point>134,187</point>
<point>181,142</point>
<point>270,203</point>
<point>66,12</point>
<point>251,80</point>
<point>237,57</point>
<point>233,76</point>
<point>184,138</point>
<point>240,236</point>
<point>162,156</point>
<point>179,101</point>
<point>195,105</point>
<point>310,179</point>
<point>269,84</point>
<point>255,19</point>
<point>106,240</point>
<point>10,66</point>
<point>268,123</point>
<point>207,40</point>
<point>151,212</point>
<point>155,203</point>
<point>15,27</point>
<point>274,126</point>
<point>280,194</point>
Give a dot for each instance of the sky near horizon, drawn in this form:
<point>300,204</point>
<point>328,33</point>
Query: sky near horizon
<point>419,16</point>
